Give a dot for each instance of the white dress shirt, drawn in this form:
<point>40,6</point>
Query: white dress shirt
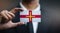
<point>35,24</point>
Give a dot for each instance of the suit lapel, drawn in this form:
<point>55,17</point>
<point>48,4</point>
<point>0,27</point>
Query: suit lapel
<point>17,15</point>
<point>39,29</point>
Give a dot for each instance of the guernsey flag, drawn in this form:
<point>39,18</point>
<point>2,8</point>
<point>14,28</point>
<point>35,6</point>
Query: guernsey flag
<point>30,16</point>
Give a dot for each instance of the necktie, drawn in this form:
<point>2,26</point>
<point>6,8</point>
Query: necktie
<point>30,27</point>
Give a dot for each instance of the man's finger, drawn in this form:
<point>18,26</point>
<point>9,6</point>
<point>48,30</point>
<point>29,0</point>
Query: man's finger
<point>4,15</point>
<point>11,14</point>
<point>16,10</point>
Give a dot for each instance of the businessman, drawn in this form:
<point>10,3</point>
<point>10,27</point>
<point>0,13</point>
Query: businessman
<point>40,25</point>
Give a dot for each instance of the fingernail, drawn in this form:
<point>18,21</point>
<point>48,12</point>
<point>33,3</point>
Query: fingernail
<point>21,10</point>
<point>22,22</point>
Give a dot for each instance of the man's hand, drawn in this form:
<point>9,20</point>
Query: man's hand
<point>8,16</point>
<point>10,24</point>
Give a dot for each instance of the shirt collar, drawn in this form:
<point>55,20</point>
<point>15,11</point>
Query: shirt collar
<point>38,8</point>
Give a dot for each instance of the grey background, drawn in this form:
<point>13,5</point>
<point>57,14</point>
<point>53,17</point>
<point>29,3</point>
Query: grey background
<point>51,14</point>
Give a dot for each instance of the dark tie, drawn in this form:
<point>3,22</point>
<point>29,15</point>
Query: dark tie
<point>30,27</point>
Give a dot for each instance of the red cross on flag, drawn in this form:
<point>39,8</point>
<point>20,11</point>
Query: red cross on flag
<point>30,16</point>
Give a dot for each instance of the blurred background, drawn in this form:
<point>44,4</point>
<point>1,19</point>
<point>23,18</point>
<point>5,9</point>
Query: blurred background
<point>52,9</point>
<point>8,4</point>
<point>51,16</point>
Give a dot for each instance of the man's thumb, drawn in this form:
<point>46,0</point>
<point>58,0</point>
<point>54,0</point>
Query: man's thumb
<point>17,24</point>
